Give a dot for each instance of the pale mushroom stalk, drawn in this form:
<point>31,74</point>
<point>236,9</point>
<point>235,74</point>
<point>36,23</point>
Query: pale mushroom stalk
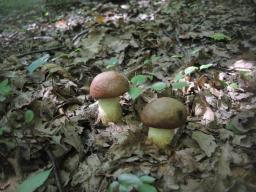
<point>109,110</point>
<point>160,137</point>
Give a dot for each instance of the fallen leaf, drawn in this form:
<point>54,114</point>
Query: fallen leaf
<point>206,142</point>
<point>100,19</point>
<point>224,161</point>
<point>208,115</point>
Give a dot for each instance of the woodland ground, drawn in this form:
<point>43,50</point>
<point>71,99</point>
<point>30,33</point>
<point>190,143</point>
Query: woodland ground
<point>200,52</point>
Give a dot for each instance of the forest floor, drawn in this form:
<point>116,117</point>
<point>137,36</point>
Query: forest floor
<point>200,52</point>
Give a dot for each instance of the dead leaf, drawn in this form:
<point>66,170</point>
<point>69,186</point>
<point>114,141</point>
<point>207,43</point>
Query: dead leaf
<point>244,65</point>
<point>224,161</point>
<point>185,160</point>
<point>206,142</point>
<point>100,19</point>
<point>208,116</point>
<point>61,24</point>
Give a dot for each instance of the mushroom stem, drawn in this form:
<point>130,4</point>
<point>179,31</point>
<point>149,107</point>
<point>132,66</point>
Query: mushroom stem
<point>109,110</point>
<point>160,137</point>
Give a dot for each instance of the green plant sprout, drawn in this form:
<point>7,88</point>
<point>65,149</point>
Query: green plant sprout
<point>5,89</point>
<point>111,63</point>
<point>127,182</point>
<point>220,37</point>
<point>136,90</point>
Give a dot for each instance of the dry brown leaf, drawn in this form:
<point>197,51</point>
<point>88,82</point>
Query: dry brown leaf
<point>100,19</point>
<point>208,116</point>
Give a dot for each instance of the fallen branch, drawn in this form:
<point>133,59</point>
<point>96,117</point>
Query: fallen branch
<point>40,51</point>
<point>55,170</point>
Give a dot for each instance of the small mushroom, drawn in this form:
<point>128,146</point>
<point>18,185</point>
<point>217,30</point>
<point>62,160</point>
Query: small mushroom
<point>162,116</point>
<point>107,87</point>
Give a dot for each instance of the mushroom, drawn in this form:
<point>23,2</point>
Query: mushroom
<point>162,116</point>
<point>107,87</point>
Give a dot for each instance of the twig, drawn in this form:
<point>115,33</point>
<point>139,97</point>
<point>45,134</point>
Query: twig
<point>40,51</point>
<point>55,169</point>
<point>79,35</point>
<point>15,162</point>
<point>102,185</point>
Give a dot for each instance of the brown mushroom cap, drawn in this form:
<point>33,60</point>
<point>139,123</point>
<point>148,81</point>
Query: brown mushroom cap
<point>164,113</point>
<point>108,85</point>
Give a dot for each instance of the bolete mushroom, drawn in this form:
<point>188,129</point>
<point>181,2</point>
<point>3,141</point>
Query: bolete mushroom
<point>162,116</point>
<point>107,87</point>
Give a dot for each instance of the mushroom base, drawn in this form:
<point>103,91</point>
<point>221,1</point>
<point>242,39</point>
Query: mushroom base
<point>109,110</point>
<point>160,137</point>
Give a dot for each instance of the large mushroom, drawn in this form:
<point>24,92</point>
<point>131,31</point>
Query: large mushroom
<point>107,87</point>
<point>162,116</point>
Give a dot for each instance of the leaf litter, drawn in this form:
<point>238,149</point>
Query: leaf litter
<point>49,108</point>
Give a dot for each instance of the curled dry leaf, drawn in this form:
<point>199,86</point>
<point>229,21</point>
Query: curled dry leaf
<point>199,109</point>
<point>208,116</point>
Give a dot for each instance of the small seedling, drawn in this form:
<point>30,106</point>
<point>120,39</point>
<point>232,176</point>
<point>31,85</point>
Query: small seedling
<point>136,89</point>
<point>220,37</point>
<point>112,62</point>
<point>206,66</point>
<point>128,182</point>
<point>29,116</point>
<point>159,86</point>
<point>5,89</point>
<point>135,92</point>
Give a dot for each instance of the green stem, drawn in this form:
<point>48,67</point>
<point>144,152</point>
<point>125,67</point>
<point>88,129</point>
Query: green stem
<point>160,137</point>
<point>110,110</point>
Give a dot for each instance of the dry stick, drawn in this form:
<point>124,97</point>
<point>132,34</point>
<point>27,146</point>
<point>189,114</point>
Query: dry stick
<point>79,35</point>
<point>40,51</point>
<point>84,32</point>
<point>15,162</point>
<point>55,169</point>
<point>177,137</point>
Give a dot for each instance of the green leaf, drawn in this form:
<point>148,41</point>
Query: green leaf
<point>179,76</point>
<point>179,85</point>
<point>220,37</point>
<point>234,86</point>
<point>202,67</point>
<point>29,116</point>
<point>128,179</point>
<point>5,89</point>
<point>123,188</point>
<point>245,75</point>
<point>190,70</point>
<point>138,79</point>
<point>135,92</point>
<point>159,86</point>
<point>34,181</point>
<point>113,187</point>
<point>147,179</point>
<point>77,50</point>
<point>1,131</point>
<point>111,62</point>
<point>146,188</point>
<point>37,63</point>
